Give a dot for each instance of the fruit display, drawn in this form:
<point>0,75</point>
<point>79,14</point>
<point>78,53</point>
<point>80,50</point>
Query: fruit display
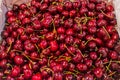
<point>60,40</point>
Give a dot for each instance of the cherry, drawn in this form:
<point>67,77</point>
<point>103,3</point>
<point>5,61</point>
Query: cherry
<point>11,19</point>
<point>93,55</point>
<point>100,7</point>
<point>113,55</point>
<point>18,59</point>
<point>101,22</point>
<point>29,47</point>
<point>89,62</point>
<point>34,39</point>
<point>64,64</point>
<point>72,13</point>
<point>57,68</point>
<point>109,8</point>
<point>91,6</point>
<point>92,44</point>
<point>9,13</point>
<point>25,20</point>
<point>103,51</point>
<point>36,24</point>
<point>68,76</point>
<point>27,73</point>
<point>49,36</point>
<point>53,45</point>
<point>83,10</point>
<point>69,31</point>
<point>58,76</point>
<point>23,6</point>
<point>68,5</point>
<point>98,72</point>
<point>3,63</point>
<point>92,23</point>
<point>69,39</point>
<point>60,8</point>
<point>5,34</point>
<point>99,63</point>
<point>101,15</point>
<point>110,43</point>
<point>34,55</point>
<point>52,9</point>
<point>82,67</point>
<point>37,76</point>
<point>76,4</point>
<point>15,71</point>
<point>3,54</point>
<point>20,30</point>
<point>43,7</point>
<point>77,58</point>
<point>88,77</point>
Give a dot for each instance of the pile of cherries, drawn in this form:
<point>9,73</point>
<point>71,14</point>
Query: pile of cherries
<point>60,40</point>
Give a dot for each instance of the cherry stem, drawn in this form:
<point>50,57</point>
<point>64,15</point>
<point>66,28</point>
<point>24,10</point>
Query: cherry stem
<point>106,32</point>
<point>9,65</point>
<point>100,56</point>
<point>54,29</point>
<point>76,71</point>
<point>68,72</point>
<point>69,50</point>
<point>78,20</point>
<point>112,61</point>
<point>30,66</point>
<point>107,69</point>
<point>28,58</point>
<point>106,14</point>
<point>37,48</point>
<point>81,53</point>
<point>9,47</point>
<point>66,58</point>
<point>88,41</point>
<point>17,51</point>
<point>108,66</point>
<point>112,73</point>
<point>41,37</point>
<point>48,69</point>
<point>49,60</point>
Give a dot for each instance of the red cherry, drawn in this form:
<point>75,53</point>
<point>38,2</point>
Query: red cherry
<point>98,72</point>
<point>53,45</point>
<point>37,77</point>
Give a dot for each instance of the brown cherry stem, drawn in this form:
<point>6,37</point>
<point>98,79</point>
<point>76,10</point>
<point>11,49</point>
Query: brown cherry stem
<point>112,73</point>
<point>106,14</point>
<point>69,72</point>
<point>66,58</point>
<point>9,47</point>
<point>28,58</point>
<point>106,32</point>
<point>69,50</point>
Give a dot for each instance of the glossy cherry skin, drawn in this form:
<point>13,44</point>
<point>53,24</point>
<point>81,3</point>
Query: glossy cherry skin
<point>82,67</point>
<point>15,71</point>
<point>36,77</point>
<point>53,45</point>
<point>18,59</point>
<point>98,72</point>
<point>27,73</point>
<point>113,55</point>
